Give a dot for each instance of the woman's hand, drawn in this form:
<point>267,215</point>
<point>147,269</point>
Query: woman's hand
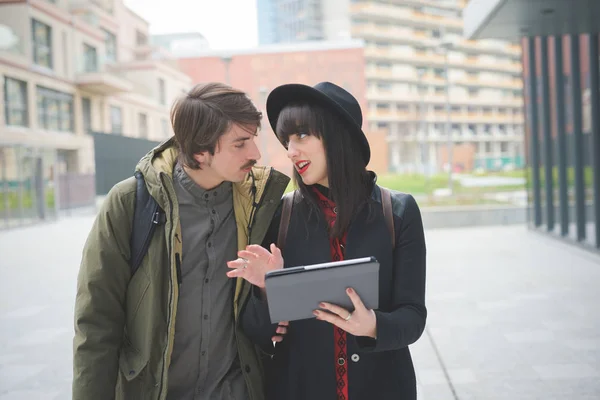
<point>360,322</point>
<point>254,263</point>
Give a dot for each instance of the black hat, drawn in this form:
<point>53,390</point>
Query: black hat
<point>327,95</point>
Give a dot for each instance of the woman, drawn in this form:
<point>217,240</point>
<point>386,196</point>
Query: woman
<point>337,214</point>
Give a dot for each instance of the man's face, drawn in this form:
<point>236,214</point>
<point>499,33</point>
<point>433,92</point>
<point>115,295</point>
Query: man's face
<point>235,154</point>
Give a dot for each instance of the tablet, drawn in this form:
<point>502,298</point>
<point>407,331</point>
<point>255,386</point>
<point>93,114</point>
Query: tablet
<point>294,293</point>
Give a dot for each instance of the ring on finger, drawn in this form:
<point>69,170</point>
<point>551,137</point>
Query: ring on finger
<point>245,265</point>
<point>348,317</point>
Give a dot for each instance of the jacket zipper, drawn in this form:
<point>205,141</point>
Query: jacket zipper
<point>171,295</point>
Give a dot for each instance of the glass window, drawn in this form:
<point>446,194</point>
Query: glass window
<point>90,58</point>
<point>110,40</point>
<point>55,110</point>
<point>143,123</point>
<point>15,102</point>
<point>162,92</point>
<point>116,120</point>
<point>42,43</point>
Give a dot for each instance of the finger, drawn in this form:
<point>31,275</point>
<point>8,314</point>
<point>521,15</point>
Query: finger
<point>236,263</point>
<point>236,273</point>
<point>248,255</point>
<point>281,330</point>
<point>328,317</point>
<point>339,311</point>
<point>277,339</point>
<point>355,299</point>
<point>284,323</point>
<point>258,250</point>
<point>275,250</point>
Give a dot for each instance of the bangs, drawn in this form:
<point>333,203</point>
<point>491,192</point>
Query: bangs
<point>299,118</point>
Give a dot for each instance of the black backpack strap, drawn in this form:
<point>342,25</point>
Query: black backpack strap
<point>386,202</point>
<point>147,215</point>
<point>286,212</point>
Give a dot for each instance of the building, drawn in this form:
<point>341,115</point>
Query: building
<point>409,47</point>
<point>292,21</point>
<point>181,44</point>
<point>258,71</point>
<point>267,32</point>
<point>70,69</point>
<point>561,71</point>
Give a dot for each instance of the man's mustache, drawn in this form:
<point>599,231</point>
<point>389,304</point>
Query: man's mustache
<point>249,164</point>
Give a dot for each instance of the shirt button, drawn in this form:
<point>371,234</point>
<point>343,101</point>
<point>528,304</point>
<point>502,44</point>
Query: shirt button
<point>205,316</point>
<point>206,196</point>
<point>341,361</point>
<point>206,281</point>
<point>247,368</point>
<point>355,357</point>
<point>203,353</point>
<point>214,211</point>
<point>209,244</point>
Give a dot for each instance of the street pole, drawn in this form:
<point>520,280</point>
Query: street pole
<point>449,143</point>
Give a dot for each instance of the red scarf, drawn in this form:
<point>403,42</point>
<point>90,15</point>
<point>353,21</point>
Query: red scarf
<point>336,246</point>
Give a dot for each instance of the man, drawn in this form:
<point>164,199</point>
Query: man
<point>171,330</point>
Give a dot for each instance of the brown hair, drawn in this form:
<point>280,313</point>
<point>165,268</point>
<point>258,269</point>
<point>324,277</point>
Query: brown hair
<point>205,113</point>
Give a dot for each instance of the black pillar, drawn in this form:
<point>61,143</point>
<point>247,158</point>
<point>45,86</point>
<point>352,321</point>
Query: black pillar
<point>577,138</point>
<point>534,143</point>
<point>547,135</point>
<point>561,138</point>
<point>595,133</point>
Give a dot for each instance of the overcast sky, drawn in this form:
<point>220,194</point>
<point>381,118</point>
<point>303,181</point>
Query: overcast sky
<point>227,24</point>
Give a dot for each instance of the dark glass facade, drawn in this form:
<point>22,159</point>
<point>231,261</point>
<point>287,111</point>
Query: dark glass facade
<point>562,91</point>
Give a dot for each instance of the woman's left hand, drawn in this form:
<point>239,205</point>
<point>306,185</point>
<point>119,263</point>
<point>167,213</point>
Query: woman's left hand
<point>361,322</point>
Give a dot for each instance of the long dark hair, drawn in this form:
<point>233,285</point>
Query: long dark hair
<point>349,180</point>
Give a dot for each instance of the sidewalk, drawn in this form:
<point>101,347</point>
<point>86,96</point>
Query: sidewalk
<point>512,315</point>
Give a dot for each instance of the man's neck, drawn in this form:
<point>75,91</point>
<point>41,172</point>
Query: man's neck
<point>205,179</point>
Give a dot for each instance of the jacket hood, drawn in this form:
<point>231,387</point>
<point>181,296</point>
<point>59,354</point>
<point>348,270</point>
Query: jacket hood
<point>161,160</point>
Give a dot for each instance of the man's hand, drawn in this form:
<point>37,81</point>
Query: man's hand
<point>254,263</point>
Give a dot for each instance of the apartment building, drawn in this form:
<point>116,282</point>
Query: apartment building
<point>425,79</point>
<point>258,71</point>
<point>72,69</point>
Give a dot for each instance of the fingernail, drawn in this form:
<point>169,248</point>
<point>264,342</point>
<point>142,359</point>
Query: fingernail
<point>322,305</point>
<point>316,313</point>
<point>349,290</point>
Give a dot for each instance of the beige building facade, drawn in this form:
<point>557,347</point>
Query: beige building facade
<point>70,68</point>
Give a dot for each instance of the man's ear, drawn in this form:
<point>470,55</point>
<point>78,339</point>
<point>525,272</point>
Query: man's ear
<point>203,158</point>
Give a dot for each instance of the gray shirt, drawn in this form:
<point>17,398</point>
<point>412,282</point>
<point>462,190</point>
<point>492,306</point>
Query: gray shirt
<point>205,364</point>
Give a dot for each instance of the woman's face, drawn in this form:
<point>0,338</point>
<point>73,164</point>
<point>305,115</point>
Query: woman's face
<point>307,153</point>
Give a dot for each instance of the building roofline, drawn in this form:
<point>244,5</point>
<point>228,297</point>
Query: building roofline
<point>284,48</point>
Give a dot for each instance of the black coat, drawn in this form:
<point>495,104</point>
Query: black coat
<point>303,365</point>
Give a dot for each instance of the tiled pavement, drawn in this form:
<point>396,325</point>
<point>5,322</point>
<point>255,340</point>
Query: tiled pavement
<point>512,315</point>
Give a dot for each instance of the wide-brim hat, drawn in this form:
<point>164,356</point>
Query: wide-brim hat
<point>327,95</point>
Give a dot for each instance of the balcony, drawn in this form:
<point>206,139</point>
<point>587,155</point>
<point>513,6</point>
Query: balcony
<point>104,80</point>
<point>392,13</point>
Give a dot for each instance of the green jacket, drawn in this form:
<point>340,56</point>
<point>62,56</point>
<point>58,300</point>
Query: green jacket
<point>124,325</point>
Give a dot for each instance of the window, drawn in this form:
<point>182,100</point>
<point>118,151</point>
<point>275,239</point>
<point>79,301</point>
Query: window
<point>504,147</point>
<point>42,43</point>
<point>110,40</point>
<point>116,120</point>
<point>90,58</point>
<point>140,38</point>
<point>15,102</point>
<point>55,110</point>
<point>143,125</point>
<point>86,107</point>
<point>162,95</point>
<point>165,127</point>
